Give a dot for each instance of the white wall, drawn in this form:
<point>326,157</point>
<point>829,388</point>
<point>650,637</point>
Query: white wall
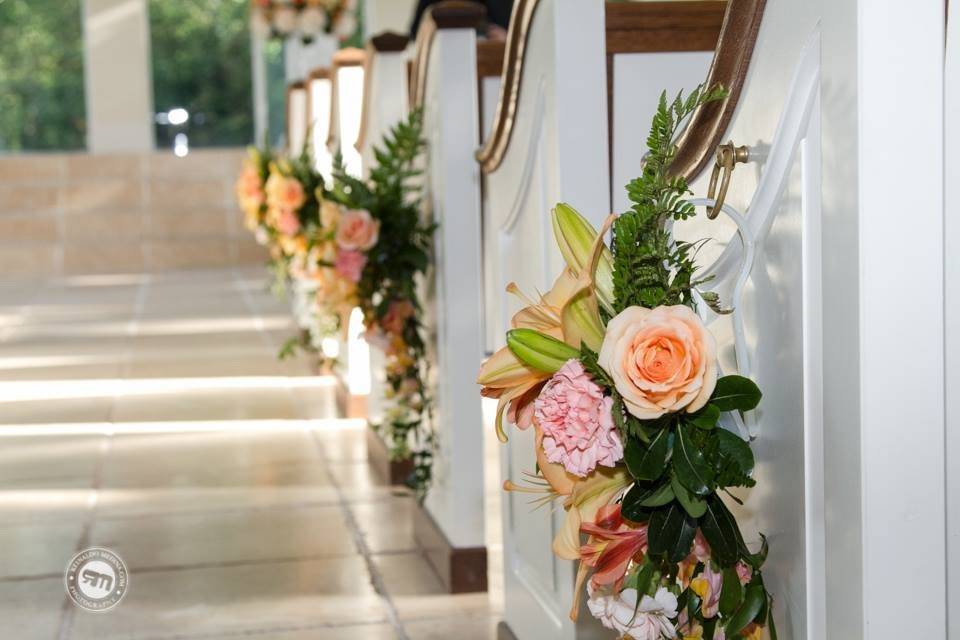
<point>952,317</point>
<point>117,76</point>
<point>387,15</point>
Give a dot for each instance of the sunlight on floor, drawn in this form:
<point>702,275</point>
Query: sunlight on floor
<point>150,415</point>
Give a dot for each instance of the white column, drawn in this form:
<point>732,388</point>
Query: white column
<point>261,108</point>
<point>118,79</point>
<point>902,318</point>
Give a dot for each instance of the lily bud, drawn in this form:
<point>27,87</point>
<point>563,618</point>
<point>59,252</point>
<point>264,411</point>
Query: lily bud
<point>538,350</point>
<point>575,237</point>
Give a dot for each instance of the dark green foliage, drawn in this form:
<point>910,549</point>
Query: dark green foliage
<point>41,75</point>
<point>201,62</point>
<point>649,268</point>
<point>392,195</point>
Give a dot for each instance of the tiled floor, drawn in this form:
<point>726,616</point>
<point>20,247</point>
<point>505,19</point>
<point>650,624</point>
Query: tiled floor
<point>149,414</point>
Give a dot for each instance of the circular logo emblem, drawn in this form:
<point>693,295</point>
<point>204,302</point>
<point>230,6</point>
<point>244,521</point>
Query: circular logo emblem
<point>96,579</point>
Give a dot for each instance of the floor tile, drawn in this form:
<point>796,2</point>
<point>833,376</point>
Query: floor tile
<point>244,535</point>
<point>231,599</point>
<point>30,609</point>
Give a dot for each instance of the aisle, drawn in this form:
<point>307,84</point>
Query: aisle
<point>149,415</point>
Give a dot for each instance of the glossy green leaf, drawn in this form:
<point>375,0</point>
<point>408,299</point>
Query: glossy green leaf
<point>731,594</point>
<point>688,461</point>
<point>643,497</point>
<point>706,418</point>
<point>736,449</point>
<point>693,504</point>
<point>753,601</point>
<point>647,462</point>
<point>671,531</point>
<point>734,393</point>
<point>721,532</point>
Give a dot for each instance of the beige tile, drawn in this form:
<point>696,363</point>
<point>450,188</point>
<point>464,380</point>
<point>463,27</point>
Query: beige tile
<point>29,259</point>
<point>387,525</point>
<point>120,226</point>
<point>182,254</point>
<point>29,227</point>
<point>30,609</point>
<point>88,166</point>
<point>294,631</point>
<point>245,535</point>
<point>121,256</point>
<point>103,259</point>
<point>199,164</point>
<point>156,501</point>
<point>417,592</point>
<point>185,223</point>
<point>41,549</point>
<point>189,194</point>
<point>55,411</point>
<point>38,461</point>
<point>24,198</point>
<point>475,627</point>
<point>31,168</point>
<point>113,194</point>
<point>207,405</point>
<point>334,591</point>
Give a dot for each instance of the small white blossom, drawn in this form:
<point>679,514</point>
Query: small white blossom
<point>649,621</point>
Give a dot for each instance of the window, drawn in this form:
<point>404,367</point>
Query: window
<point>41,75</point>
<point>202,89</point>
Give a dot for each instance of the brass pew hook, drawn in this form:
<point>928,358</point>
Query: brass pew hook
<point>727,158</point>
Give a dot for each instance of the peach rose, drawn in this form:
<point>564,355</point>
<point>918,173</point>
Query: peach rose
<point>358,231</point>
<point>284,193</point>
<point>661,360</point>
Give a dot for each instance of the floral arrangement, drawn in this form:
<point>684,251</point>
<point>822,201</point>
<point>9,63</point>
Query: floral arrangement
<point>306,18</point>
<point>618,376</point>
<point>387,286</point>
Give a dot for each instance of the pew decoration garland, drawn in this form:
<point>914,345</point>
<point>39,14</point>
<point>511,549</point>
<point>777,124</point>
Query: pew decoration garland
<point>357,243</point>
<point>387,287</point>
<point>307,19</point>
<point>618,376</point>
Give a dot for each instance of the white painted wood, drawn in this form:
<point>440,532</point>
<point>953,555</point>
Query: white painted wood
<point>297,105</point>
<point>558,153</point>
<point>901,303</point>
<point>452,181</point>
<point>347,103</point>
<point>952,316</point>
<point>320,92</point>
<point>301,58</point>
<point>387,103</point>
<point>387,15</point>
<point>638,80</point>
<point>783,219</point>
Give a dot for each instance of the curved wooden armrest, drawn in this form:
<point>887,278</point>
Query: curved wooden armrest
<point>729,28</point>
<point>450,14</point>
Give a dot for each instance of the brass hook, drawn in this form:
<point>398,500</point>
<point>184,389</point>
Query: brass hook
<point>727,158</point>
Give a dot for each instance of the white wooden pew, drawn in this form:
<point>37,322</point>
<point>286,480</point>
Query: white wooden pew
<point>346,100</point>
<point>577,75</point>
<point>297,117</point>
<point>385,103</point>
<point>548,144</point>
<point>452,74</point>
<point>319,90</point>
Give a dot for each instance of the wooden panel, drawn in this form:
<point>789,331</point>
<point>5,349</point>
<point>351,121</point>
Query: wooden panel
<point>490,58</point>
<point>638,27</point>
<point>450,14</point>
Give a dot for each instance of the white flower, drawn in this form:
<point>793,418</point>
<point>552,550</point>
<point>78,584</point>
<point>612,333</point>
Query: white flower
<point>261,236</point>
<point>259,24</point>
<point>346,25</point>
<point>313,20</point>
<point>649,621</point>
<point>285,20</point>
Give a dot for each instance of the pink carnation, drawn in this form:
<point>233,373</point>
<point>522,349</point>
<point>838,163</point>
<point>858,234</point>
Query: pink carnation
<point>577,421</point>
<point>350,264</point>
